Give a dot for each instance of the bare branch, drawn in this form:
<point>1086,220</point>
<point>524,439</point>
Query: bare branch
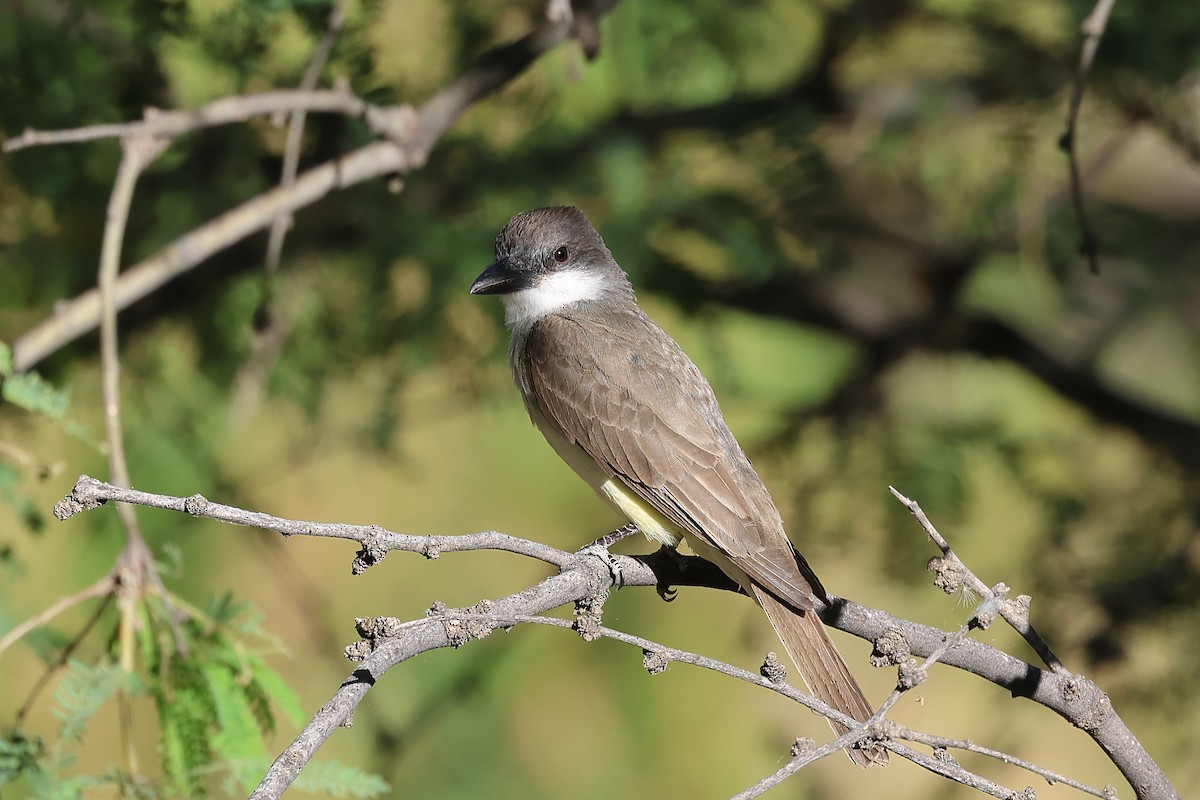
<point>61,661</point>
<point>135,565</point>
<point>100,587</point>
<point>588,577</point>
<point>376,541</point>
<point>411,138</point>
<point>271,328</point>
<point>1051,777</point>
<point>291,152</point>
<point>1093,30</point>
<point>227,110</point>
<point>583,575</point>
<point>1015,613</point>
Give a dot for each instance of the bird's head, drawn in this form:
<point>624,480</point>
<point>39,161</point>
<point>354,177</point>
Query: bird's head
<point>547,260</point>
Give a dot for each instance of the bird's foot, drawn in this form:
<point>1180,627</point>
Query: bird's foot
<point>609,539</point>
<point>599,549</point>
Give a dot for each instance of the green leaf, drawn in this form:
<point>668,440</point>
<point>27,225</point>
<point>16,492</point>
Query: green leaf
<point>277,689</point>
<point>19,755</point>
<point>238,733</point>
<point>34,393</point>
<point>335,779</point>
<point>177,761</point>
<point>83,692</point>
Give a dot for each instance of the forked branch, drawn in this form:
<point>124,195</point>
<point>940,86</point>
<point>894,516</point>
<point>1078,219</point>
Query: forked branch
<point>584,578</point>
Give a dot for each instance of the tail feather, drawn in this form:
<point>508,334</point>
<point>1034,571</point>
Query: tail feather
<point>822,667</point>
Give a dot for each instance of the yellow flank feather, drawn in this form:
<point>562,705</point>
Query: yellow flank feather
<point>648,521</point>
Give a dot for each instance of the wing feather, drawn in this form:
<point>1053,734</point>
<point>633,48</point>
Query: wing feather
<point>628,396</point>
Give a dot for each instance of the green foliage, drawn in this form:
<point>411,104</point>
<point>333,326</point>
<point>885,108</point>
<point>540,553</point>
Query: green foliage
<point>216,699</point>
<point>334,779</point>
<point>29,390</point>
<point>18,755</point>
<point>33,393</point>
<point>85,689</point>
<point>216,703</point>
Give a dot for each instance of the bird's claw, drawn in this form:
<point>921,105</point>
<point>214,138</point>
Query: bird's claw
<point>599,549</point>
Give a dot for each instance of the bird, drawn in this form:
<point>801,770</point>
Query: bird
<point>631,414</point>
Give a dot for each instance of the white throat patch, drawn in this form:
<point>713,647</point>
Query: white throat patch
<point>552,294</point>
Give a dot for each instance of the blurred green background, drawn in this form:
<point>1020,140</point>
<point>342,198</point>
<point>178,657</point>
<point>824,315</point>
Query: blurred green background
<point>855,218</point>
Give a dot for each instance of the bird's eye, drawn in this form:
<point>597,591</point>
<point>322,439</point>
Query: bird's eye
<point>561,255</point>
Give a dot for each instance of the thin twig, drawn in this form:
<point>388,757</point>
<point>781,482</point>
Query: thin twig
<point>799,762</point>
<point>62,659</point>
<point>137,153</point>
<point>956,772</point>
<point>91,493</point>
<point>1015,613</point>
<point>1093,30</point>
<point>409,138</point>
<point>134,565</point>
<point>272,328</point>
<point>943,743</point>
<point>295,133</point>
<point>912,676</point>
<point>665,655</point>
<point>225,111</point>
<point>102,586</point>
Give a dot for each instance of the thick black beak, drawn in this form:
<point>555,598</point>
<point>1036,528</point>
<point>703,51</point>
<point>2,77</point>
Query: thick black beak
<point>500,278</point>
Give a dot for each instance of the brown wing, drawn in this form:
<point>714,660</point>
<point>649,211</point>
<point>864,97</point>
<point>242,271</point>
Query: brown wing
<point>625,393</point>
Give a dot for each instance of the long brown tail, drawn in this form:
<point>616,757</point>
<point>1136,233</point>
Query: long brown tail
<point>822,667</point>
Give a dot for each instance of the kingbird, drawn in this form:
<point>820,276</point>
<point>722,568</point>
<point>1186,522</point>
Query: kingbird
<point>621,403</point>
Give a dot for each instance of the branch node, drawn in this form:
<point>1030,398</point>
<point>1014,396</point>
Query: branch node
<point>463,625</point>
<point>943,755</point>
<point>373,630</point>
<point>84,496</point>
<point>802,747</point>
<point>1027,793</point>
<point>67,507</point>
<point>197,505</point>
<point>890,649</point>
<point>910,673</point>
<point>480,628</point>
<point>1017,609</point>
<point>371,553</point>
<point>985,615</point>
<point>1098,709</point>
<point>432,548</point>
<point>357,651</point>
<point>947,575</point>
<point>394,122</point>
<point>773,669</point>
<point>655,661</point>
<point>588,614</point>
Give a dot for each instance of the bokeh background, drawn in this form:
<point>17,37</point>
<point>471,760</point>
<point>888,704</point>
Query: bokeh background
<point>853,215</point>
